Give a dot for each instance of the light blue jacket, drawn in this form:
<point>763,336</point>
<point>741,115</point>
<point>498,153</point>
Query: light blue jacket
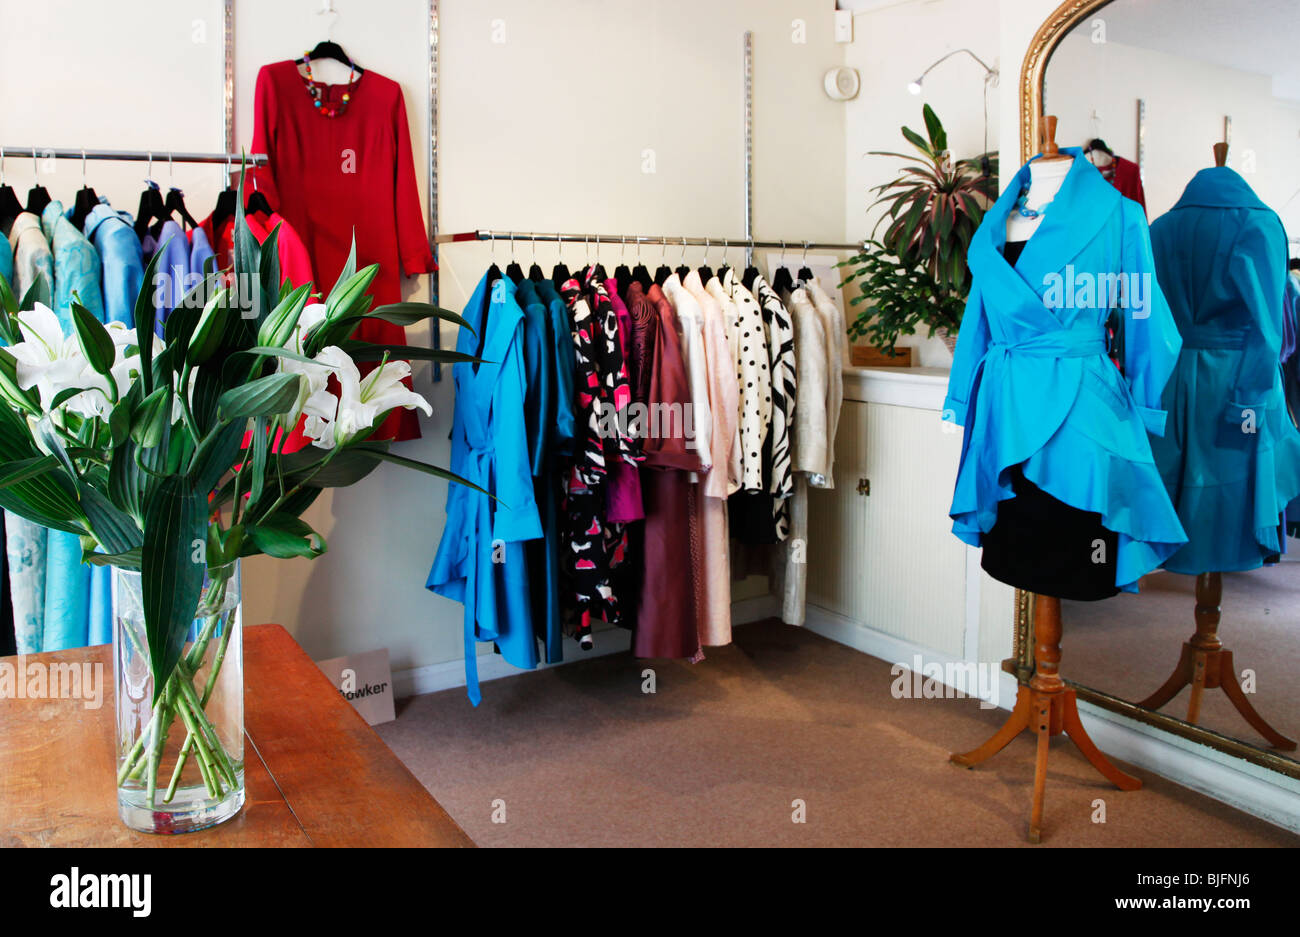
<point>481,560</point>
<point>1031,380</point>
<point>69,582</point>
<point>1231,457</point>
<point>121,260</point>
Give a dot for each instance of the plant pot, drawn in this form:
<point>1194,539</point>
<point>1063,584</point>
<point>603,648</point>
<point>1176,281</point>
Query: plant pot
<point>949,338</point>
<point>180,760</point>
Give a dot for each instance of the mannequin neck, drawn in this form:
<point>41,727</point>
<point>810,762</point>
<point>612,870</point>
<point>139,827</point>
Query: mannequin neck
<point>1045,181</point>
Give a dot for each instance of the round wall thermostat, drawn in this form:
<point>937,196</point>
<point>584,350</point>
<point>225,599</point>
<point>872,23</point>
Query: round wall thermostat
<point>842,83</point>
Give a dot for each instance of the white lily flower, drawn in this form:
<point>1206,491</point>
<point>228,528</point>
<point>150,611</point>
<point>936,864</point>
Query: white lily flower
<point>313,399</point>
<point>46,359</point>
<point>96,402</point>
<point>361,402</point>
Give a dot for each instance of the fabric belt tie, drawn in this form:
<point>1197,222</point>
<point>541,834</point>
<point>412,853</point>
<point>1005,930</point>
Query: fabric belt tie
<point>1206,337</point>
<point>1061,343</point>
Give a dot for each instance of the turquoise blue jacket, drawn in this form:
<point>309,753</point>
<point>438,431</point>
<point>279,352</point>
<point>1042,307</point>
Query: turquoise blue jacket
<point>76,612</point>
<point>1231,456</point>
<point>1031,380</point>
<point>481,561</point>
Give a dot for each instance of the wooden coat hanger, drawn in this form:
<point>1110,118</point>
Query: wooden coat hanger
<point>1220,155</point>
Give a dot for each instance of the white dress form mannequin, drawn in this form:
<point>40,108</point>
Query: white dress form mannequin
<point>1045,180</point>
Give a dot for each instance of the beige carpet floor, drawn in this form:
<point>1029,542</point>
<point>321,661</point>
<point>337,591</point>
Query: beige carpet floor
<point>580,756</point>
<point>1129,645</point>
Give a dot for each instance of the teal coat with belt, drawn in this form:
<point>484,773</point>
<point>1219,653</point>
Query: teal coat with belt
<point>1032,384</point>
<point>481,560</point>
<point>1231,456</point>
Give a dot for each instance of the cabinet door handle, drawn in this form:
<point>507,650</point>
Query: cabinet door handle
<point>864,487</point>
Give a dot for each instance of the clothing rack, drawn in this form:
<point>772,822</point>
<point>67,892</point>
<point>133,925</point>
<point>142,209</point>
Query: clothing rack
<point>38,152</point>
<point>639,239</point>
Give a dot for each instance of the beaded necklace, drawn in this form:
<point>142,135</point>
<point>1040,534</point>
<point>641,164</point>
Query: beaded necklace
<point>1022,206</point>
<point>317,93</point>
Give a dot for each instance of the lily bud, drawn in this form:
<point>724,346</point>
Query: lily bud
<point>211,328</point>
<point>277,328</point>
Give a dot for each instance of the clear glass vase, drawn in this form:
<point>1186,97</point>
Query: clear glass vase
<point>181,761</point>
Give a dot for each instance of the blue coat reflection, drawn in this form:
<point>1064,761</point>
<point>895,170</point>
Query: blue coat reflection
<point>1231,458</point>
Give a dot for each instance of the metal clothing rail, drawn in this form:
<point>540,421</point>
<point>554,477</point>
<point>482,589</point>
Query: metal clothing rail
<point>639,239</point>
<point>46,152</point>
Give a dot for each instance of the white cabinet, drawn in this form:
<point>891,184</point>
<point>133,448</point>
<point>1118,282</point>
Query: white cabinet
<point>885,557</point>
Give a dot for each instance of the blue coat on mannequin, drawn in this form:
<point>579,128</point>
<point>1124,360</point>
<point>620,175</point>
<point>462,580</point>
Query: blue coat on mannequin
<point>1031,381</point>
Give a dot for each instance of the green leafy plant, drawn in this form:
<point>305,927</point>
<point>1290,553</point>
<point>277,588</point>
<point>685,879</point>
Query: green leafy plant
<point>933,209</point>
<point>902,296</point>
<point>176,455</point>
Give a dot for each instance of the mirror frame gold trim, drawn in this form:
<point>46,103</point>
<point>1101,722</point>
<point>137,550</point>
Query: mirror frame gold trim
<point>1032,73</point>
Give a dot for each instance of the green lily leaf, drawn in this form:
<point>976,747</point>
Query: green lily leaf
<point>284,537</point>
<point>171,571</point>
<point>94,340</point>
<point>267,396</point>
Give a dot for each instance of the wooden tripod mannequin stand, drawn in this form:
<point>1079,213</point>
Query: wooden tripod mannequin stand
<point>1046,707</point>
<point>1206,664</point>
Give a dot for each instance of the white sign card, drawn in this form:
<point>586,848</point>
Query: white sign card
<point>366,681</point>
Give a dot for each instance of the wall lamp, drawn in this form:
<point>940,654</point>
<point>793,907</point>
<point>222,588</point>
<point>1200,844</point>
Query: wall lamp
<point>990,76</point>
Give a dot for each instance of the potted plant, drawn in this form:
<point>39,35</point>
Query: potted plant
<point>174,456</point>
<point>916,273</point>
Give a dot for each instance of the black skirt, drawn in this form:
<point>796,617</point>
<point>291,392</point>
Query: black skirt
<point>1043,545</point>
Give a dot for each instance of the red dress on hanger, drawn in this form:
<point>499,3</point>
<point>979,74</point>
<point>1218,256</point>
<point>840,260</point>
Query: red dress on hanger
<point>331,176</point>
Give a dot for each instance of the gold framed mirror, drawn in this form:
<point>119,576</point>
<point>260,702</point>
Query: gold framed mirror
<point>1067,17</point>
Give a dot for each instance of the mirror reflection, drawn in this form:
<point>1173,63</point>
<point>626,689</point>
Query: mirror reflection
<point>1198,119</point>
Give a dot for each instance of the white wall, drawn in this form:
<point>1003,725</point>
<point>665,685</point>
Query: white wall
<point>954,89</point>
<point>83,74</point>
<point>544,130</point>
<point>1186,103</point>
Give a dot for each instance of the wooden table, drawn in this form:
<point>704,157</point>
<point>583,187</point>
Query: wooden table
<point>315,773</point>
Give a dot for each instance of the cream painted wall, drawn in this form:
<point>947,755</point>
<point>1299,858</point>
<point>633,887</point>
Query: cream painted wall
<point>954,89</point>
<point>151,80</point>
<point>547,129</point>
<point>1186,103</point>
<point>529,139</point>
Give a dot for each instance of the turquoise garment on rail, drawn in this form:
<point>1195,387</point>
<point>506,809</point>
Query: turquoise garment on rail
<point>1231,457</point>
<point>1031,380</point>
<point>7,263</point>
<point>68,581</point>
<point>481,560</point>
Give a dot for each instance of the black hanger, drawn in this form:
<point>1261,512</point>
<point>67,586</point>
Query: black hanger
<point>560,275</point>
<point>10,207</point>
<point>806,275</point>
<point>151,209</point>
<point>493,274</point>
<point>257,203</point>
<point>535,273</point>
<point>515,272</point>
<point>623,278</point>
<point>783,281</point>
<point>599,273</point>
<point>37,199</point>
<point>751,274</point>
<point>227,201</point>
<point>662,274</point>
<point>176,203</point>
<point>328,49</point>
<point>642,275</point>
<point>706,273</point>
<point>82,206</point>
